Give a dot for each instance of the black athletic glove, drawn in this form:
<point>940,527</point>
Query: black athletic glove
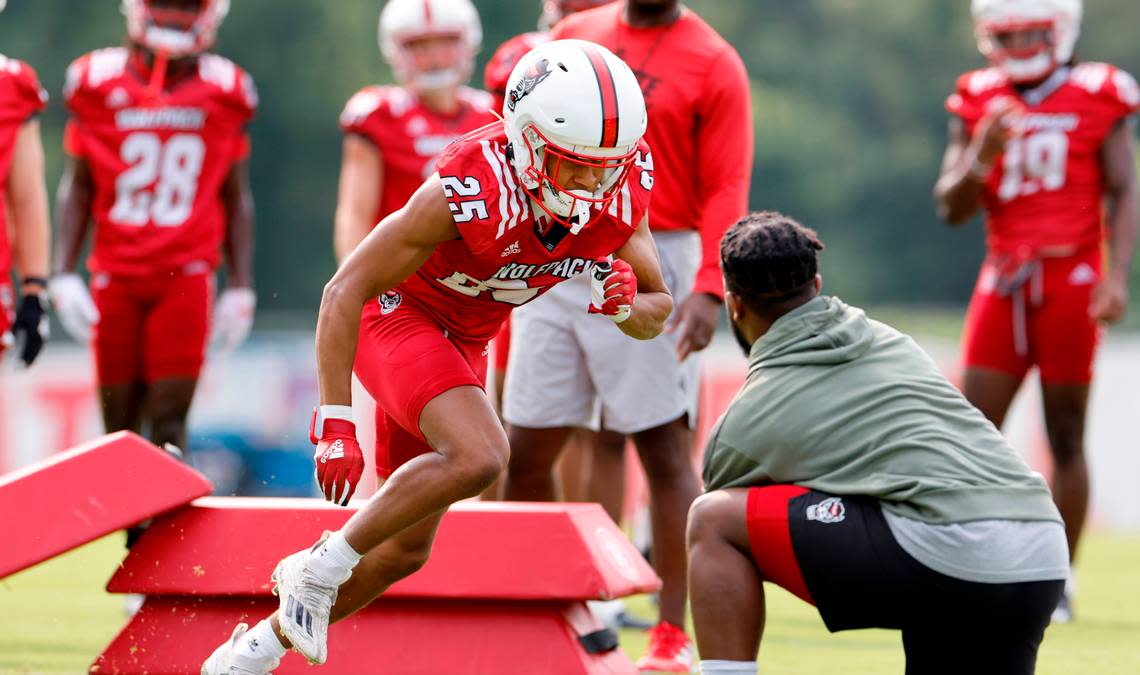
<point>30,328</point>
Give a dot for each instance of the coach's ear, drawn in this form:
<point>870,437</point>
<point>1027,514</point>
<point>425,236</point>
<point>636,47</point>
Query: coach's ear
<point>818,284</point>
<point>734,306</point>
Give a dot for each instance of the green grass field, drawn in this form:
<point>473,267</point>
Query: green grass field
<point>56,618</point>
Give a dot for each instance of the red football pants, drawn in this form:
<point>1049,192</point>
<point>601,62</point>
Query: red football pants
<point>151,327</point>
<point>1044,322</point>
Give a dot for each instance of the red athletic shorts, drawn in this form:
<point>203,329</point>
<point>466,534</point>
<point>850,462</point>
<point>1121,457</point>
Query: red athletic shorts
<point>771,538</point>
<point>1034,314</point>
<point>405,359</point>
<point>151,327</point>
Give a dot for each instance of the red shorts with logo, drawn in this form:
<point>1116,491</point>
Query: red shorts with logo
<point>771,539</point>
<point>1039,317</point>
<point>151,327</point>
<point>405,359</point>
<point>7,308</point>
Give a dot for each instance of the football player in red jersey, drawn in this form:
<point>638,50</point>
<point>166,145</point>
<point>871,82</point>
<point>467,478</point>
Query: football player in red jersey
<point>592,466</point>
<point>563,375</point>
<point>23,210</point>
<point>157,160</point>
<point>1037,141</point>
<point>513,209</point>
<point>393,135</point>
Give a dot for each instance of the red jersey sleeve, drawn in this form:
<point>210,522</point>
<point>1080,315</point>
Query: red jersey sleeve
<point>75,97</point>
<point>967,101</point>
<point>1114,90</point>
<point>360,112</point>
<point>479,185</point>
<point>247,101</point>
<point>724,150</point>
<point>28,98</point>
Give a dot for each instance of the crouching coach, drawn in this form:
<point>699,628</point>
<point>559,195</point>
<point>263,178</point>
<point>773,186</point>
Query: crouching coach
<point>849,471</point>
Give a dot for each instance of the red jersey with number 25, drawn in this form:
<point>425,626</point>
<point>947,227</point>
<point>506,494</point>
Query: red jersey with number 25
<point>506,255</point>
<point>158,162</point>
<point>21,97</point>
<point>1046,187</point>
<point>409,135</point>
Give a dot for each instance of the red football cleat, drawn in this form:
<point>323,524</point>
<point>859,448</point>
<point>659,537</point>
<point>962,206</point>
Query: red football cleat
<point>670,651</point>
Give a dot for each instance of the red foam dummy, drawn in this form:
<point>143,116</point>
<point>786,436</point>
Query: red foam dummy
<point>82,494</point>
<point>484,550</point>
<point>396,637</point>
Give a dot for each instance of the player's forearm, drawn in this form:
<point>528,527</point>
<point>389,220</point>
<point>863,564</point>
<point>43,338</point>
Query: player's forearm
<point>338,325</point>
<point>73,217</point>
<point>349,229</point>
<point>648,315</point>
<point>1122,225</point>
<point>27,199</point>
<point>958,191</point>
<point>239,243</point>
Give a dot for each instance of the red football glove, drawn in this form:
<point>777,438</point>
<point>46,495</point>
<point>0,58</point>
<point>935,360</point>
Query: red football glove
<point>338,458</point>
<point>613,288</point>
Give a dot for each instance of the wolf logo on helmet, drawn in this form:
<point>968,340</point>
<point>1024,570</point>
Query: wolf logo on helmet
<point>530,79</point>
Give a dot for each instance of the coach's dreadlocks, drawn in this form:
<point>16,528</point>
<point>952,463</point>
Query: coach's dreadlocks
<point>769,259</point>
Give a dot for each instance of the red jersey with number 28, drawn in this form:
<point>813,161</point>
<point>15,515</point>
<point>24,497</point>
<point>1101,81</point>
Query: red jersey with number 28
<point>158,162</point>
<point>507,255</point>
<point>409,135</point>
<point>1046,187</point>
<point>21,97</point>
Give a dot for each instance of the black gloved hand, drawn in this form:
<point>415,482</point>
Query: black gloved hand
<point>30,328</point>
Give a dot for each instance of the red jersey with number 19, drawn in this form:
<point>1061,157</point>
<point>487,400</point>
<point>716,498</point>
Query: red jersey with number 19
<point>1046,187</point>
<point>507,255</point>
<point>158,162</point>
<point>21,97</point>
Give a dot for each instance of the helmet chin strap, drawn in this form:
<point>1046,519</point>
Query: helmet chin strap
<point>158,73</point>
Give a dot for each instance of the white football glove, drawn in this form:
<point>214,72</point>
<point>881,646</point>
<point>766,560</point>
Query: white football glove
<point>233,317</point>
<point>73,305</point>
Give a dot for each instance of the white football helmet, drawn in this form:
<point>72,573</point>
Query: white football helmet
<point>573,101</point>
<point>405,20</point>
<point>177,32</point>
<point>1060,19</point>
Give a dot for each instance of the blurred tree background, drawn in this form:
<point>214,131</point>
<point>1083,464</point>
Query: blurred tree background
<point>847,100</point>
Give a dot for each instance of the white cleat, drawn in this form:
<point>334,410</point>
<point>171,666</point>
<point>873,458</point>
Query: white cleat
<point>233,658</point>
<point>305,604</point>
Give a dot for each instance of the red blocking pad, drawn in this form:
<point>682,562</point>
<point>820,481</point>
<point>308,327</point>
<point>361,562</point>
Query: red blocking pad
<point>392,636</point>
<point>224,546</point>
<point>84,493</point>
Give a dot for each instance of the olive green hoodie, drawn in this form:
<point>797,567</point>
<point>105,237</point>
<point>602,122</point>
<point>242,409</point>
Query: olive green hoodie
<point>841,404</point>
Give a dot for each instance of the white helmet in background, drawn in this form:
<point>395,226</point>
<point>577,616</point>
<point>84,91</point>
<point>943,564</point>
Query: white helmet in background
<point>404,20</point>
<point>573,101</point>
<point>1059,19</point>
<point>177,32</point>
<point>553,11</point>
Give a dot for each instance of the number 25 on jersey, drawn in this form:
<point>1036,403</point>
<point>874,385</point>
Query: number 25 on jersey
<point>160,181</point>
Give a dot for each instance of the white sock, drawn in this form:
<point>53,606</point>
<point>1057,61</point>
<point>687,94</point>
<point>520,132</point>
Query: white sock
<point>728,667</point>
<point>334,559</point>
<point>262,642</point>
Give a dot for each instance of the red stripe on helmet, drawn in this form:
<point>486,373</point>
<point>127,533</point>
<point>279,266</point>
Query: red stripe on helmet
<point>427,12</point>
<point>608,90</point>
